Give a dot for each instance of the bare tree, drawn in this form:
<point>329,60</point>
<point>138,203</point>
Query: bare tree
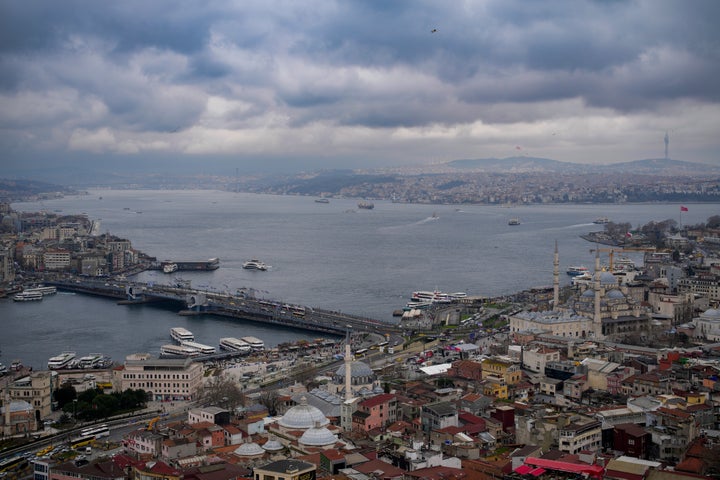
<point>224,392</point>
<point>270,400</point>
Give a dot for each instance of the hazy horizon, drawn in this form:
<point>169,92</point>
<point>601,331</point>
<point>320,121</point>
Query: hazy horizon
<point>283,87</point>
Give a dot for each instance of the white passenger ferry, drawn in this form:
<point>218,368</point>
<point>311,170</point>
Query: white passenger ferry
<point>180,334</point>
<point>43,290</point>
<point>61,361</point>
<point>255,343</point>
<point>233,344</point>
<point>178,351</point>
<point>204,349</point>
<point>26,296</point>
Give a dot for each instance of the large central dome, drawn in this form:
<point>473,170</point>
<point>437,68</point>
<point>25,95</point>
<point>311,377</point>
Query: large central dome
<point>303,416</point>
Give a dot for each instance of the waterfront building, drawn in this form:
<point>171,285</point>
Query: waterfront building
<point>603,310</point>
<point>35,388</point>
<point>56,259</point>
<point>164,379</point>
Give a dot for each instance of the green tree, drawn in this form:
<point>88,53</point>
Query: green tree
<point>65,394</point>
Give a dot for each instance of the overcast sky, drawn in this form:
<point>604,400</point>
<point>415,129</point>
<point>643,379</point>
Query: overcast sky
<point>357,84</point>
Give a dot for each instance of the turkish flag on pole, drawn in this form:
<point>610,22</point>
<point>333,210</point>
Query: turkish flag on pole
<point>683,209</point>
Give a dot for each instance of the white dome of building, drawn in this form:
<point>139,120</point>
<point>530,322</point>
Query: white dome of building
<point>318,437</point>
<point>615,295</point>
<point>607,278</point>
<point>303,416</point>
<point>273,445</point>
<point>250,449</point>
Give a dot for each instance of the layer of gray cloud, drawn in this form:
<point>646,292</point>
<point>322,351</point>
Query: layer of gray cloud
<point>572,80</point>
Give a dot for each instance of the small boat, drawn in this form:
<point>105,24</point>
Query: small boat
<point>255,264</point>
<point>366,205</point>
<point>575,271</point>
<point>514,221</point>
<point>601,220</point>
<point>170,268</point>
<point>93,360</point>
<point>322,200</point>
<point>26,296</point>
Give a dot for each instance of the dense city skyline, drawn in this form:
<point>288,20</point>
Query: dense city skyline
<point>287,87</point>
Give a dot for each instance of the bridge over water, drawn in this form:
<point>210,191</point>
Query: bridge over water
<point>241,306</point>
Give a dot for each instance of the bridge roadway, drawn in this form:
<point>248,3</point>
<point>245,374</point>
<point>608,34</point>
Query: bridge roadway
<point>196,302</point>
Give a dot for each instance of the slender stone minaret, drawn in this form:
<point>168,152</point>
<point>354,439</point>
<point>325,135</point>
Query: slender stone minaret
<point>348,368</point>
<point>556,278</point>
<point>596,318</point>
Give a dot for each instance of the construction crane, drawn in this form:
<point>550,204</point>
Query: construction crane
<point>611,252</point>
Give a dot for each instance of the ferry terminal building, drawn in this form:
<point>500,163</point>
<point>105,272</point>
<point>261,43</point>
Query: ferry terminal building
<point>165,379</point>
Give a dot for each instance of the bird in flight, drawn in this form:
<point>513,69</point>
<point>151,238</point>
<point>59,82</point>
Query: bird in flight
<point>433,30</point>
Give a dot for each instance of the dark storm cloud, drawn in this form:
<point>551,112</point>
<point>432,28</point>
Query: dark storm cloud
<point>120,75</point>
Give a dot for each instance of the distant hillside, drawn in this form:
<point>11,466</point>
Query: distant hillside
<point>653,166</point>
<point>12,190</point>
<point>662,166</point>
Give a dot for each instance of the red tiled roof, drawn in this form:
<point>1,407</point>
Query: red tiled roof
<point>377,400</point>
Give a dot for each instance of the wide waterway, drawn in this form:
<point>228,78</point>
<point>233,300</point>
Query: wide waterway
<point>333,255</point>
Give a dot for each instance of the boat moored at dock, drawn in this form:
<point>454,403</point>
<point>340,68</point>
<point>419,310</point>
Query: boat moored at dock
<point>182,351</point>
<point>254,342</point>
<point>61,361</point>
<point>233,344</point>
<point>203,349</point>
<point>180,334</point>
<point>43,290</point>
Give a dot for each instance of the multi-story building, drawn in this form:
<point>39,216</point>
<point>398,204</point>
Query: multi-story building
<point>375,412</point>
<point>502,368</point>
<point>438,415</point>
<point>289,469</point>
<point>37,389</point>
<point>535,359</point>
<point>56,259</point>
<point>581,434</point>
<point>707,286</point>
<point>164,379</point>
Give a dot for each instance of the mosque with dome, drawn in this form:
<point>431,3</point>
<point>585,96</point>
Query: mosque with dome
<point>603,309</point>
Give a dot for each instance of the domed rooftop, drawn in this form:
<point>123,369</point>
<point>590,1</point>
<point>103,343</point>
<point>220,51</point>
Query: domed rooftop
<point>303,416</point>
<point>615,295</point>
<point>607,278</point>
<point>589,293</point>
<point>711,313</point>
<point>249,449</point>
<point>318,437</point>
<point>273,445</point>
<point>357,369</point>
